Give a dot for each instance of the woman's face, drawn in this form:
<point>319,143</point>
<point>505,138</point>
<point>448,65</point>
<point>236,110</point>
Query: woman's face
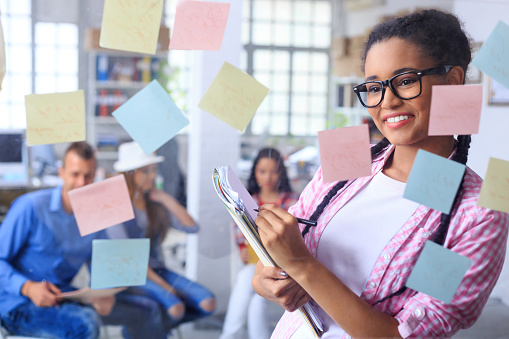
<point>145,177</point>
<point>266,174</point>
<point>386,59</point>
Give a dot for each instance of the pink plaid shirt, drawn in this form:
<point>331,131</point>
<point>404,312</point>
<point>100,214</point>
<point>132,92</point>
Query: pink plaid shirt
<point>475,232</point>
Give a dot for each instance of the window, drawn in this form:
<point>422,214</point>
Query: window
<point>49,64</point>
<point>56,57</point>
<point>287,49</point>
<point>179,66</point>
<point>17,26</point>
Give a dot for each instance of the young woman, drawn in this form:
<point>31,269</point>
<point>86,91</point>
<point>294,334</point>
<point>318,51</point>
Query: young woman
<point>267,183</point>
<point>155,212</point>
<point>355,263</point>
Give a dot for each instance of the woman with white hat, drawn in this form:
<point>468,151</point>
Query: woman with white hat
<point>155,212</point>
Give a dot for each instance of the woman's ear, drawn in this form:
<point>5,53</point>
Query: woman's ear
<point>455,76</point>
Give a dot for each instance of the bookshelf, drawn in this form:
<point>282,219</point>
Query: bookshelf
<point>114,77</point>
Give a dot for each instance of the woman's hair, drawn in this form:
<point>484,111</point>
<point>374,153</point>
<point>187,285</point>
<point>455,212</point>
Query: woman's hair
<point>158,218</point>
<point>270,153</point>
<point>438,35</point>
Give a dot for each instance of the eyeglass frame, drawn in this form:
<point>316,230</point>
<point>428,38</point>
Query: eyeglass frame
<point>388,83</point>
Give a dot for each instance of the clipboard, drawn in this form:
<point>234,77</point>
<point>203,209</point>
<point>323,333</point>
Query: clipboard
<point>241,206</point>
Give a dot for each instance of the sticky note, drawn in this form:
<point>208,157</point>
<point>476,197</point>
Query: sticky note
<point>246,198</point>
<point>132,26</point>
<point>455,109</point>
<point>438,272</point>
<point>233,97</point>
<point>55,117</point>
<point>199,25</point>
<point>345,153</point>
<point>118,263</point>
<point>101,204</point>
<point>150,117</point>
<point>3,68</point>
<point>494,53</point>
<point>433,181</point>
<point>495,187</point>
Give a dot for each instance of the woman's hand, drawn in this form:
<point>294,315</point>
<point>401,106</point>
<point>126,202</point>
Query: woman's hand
<point>173,206</point>
<point>281,236</point>
<point>160,196</point>
<point>274,284</point>
<point>103,305</point>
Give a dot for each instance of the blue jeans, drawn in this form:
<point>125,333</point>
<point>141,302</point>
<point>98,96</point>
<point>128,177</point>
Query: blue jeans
<point>141,317</point>
<point>69,320</point>
<point>189,293</point>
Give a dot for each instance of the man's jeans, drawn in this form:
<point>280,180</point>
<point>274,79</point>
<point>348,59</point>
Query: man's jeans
<point>140,316</point>
<point>69,320</point>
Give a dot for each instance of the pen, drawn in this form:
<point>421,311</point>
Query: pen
<point>300,220</point>
<point>49,289</point>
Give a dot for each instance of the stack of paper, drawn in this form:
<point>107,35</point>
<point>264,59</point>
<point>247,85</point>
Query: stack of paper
<point>241,207</point>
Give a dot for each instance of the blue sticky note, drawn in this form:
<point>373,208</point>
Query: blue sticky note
<point>494,53</point>
<point>119,262</point>
<point>150,117</point>
<point>438,272</point>
<point>433,181</point>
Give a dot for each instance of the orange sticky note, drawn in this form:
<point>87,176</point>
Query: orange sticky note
<point>495,187</point>
<point>131,25</point>
<point>455,109</point>
<point>345,153</point>
<point>102,204</point>
<point>199,25</point>
<point>55,117</point>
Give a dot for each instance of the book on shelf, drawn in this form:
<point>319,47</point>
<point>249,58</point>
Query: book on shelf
<point>241,207</point>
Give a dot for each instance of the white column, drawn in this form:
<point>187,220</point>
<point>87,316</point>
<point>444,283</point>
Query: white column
<point>212,143</point>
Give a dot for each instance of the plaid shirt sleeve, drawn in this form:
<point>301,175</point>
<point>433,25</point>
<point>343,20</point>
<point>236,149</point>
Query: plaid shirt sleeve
<point>481,235</point>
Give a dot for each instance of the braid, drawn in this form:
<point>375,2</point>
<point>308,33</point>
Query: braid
<point>375,150</point>
<point>460,156</point>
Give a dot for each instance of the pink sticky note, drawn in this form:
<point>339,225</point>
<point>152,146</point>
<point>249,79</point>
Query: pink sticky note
<point>102,204</point>
<point>345,153</point>
<point>199,25</point>
<point>455,109</point>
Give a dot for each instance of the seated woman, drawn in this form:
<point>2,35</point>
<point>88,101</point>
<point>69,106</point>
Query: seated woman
<point>155,212</point>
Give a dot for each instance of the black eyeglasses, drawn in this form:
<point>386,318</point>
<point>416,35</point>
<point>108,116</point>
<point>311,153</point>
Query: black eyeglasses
<point>407,85</point>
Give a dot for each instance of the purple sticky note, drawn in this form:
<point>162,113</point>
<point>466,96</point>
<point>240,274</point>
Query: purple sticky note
<point>455,109</point>
<point>345,153</point>
<point>199,25</point>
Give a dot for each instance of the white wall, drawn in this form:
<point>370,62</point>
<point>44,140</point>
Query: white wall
<point>212,143</point>
<point>356,23</point>
<point>480,18</point>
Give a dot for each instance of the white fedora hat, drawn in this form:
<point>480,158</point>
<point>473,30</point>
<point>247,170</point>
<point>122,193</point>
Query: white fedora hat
<point>131,156</point>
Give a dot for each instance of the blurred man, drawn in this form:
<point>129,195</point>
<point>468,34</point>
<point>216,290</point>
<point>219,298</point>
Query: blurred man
<point>41,251</point>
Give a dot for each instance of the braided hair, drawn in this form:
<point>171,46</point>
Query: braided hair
<point>439,36</point>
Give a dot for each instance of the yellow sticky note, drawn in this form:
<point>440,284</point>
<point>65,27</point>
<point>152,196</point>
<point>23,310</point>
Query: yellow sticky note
<point>131,25</point>
<point>233,97</point>
<point>495,187</point>
<point>55,117</point>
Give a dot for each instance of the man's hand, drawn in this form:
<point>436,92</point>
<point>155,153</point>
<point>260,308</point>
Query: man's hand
<point>273,284</point>
<point>42,294</point>
<point>103,305</point>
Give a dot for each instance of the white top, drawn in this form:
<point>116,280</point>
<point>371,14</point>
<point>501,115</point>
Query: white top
<point>354,238</point>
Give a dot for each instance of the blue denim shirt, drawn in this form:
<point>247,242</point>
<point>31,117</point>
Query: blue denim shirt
<point>40,241</point>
